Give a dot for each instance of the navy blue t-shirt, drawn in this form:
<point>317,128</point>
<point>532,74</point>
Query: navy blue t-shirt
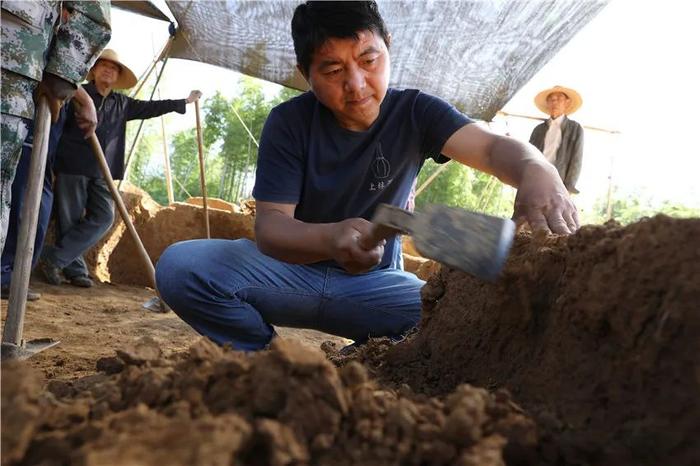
<point>332,174</point>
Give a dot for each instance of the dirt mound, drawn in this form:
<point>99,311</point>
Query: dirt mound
<point>597,335</point>
<point>115,257</point>
<point>214,203</point>
<point>21,389</point>
<point>285,406</point>
<point>177,222</point>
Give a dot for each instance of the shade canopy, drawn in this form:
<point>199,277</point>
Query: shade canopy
<point>142,7</point>
<point>476,54</point>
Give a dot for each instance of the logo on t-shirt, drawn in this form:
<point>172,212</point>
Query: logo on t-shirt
<point>381,168</point>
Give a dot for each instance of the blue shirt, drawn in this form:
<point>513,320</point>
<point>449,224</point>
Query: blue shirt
<point>332,174</point>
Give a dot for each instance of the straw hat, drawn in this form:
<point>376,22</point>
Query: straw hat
<point>126,77</point>
<point>574,104</point>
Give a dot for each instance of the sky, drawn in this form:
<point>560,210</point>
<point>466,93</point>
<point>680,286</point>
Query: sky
<point>635,65</point>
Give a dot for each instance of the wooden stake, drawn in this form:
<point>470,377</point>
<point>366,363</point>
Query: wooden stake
<point>202,177</point>
<point>166,160</point>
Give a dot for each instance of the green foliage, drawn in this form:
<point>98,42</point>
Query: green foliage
<point>459,186</point>
<point>231,157</point>
<point>631,207</point>
<point>229,151</point>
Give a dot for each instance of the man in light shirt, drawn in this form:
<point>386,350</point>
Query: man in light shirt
<point>559,138</point>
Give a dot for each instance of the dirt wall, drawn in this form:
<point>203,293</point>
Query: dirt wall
<point>597,335</point>
<point>115,258</point>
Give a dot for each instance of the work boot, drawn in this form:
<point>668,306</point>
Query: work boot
<point>52,273</point>
<point>82,282</point>
<point>31,294</point>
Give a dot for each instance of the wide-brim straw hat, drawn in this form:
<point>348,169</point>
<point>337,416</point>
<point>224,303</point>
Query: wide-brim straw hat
<point>575,100</point>
<point>126,78</point>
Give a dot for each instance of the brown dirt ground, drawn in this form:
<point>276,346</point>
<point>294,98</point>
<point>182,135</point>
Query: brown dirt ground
<point>92,323</point>
<point>596,336</point>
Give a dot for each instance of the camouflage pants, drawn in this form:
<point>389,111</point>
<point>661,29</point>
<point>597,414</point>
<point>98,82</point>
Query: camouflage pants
<point>13,131</point>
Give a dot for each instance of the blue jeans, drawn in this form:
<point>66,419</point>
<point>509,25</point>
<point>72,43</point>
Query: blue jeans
<point>18,191</point>
<point>232,293</point>
<point>19,186</point>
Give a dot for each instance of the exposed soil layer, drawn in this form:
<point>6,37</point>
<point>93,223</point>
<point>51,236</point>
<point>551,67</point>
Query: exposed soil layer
<point>91,323</point>
<point>285,406</point>
<point>597,335</point>
<point>115,258</point>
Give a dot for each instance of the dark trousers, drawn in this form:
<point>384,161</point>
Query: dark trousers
<point>19,186</point>
<point>84,213</point>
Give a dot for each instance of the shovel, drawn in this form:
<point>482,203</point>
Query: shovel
<point>154,304</point>
<point>469,241</point>
<point>13,346</point>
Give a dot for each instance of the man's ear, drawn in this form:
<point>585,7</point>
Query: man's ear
<point>388,40</point>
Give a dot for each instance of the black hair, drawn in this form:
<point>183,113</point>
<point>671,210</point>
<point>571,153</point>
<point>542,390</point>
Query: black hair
<point>314,22</point>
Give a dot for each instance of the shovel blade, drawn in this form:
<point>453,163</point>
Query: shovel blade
<point>472,242</point>
<point>155,304</point>
<point>27,349</point>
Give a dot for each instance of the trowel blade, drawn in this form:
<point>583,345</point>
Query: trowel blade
<point>472,242</point>
<point>155,304</point>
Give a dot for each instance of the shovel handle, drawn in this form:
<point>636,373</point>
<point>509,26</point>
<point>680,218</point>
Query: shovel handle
<point>107,175</point>
<point>14,325</point>
<point>388,220</point>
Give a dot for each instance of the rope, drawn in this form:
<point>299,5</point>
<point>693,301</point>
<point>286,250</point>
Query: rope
<point>138,132</point>
<point>246,127</point>
<point>528,117</point>
<point>164,52</point>
<point>181,186</point>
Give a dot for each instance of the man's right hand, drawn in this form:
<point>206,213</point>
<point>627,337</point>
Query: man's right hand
<point>346,249</point>
<point>56,90</point>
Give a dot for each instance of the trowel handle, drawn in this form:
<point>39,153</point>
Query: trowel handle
<point>388,220</point>
<point>376,234</point>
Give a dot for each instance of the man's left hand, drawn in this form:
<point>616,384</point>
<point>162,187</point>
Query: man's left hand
<point>543,202</point>
<point>194,96</point>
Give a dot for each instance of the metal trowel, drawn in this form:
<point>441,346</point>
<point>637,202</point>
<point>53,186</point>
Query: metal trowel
<point>472,242</point>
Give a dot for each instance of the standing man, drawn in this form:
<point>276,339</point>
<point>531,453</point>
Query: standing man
<point>84,205</point>
<point>559,138</point>
<point>47,49</point>
<point>327,159</point>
